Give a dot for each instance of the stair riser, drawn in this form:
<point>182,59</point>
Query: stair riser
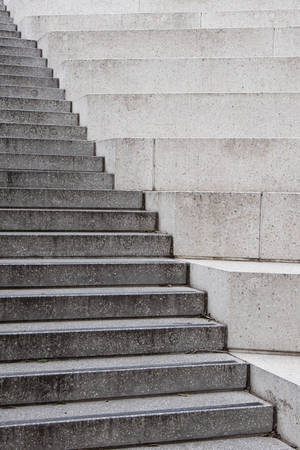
<point>57,180</point>
<point>13,42</point>
<point>9,34</point>
<point>109,342</point>
<point>32,92</point>
<point>11,80</point>
<point>42,132</point>
<point>89,246</point>
<point>25,71</point>
<point>39,162</point>
<point>20,51</point>
<point>46,147</point>
<point>35,198</point>
<point>23,61</point>
<point>7,27</point>
<point>14,309</point>
<point>92,274</point>
<point>125,382</point>
<point>35,104</point>
<point>31,220</point>
<point>142,428</point>
<point>31,117</point>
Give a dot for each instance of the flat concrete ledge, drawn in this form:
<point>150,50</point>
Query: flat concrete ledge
<point>258,301</point>
<point>276,378</point>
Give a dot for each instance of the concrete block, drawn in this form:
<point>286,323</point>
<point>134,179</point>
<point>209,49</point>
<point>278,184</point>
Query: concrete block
<point>239,165</point>
<point>190,115</point>
<point>280,231</point>
<point>131,160</point>
<point>274,18</point>
<point>21,8</point>
<point>34,27</point>
<point>276,379</point>
<point>258,301</point>
<point>59,46</point>
<point>286,41</point>
<point>179,75</point>
<point>209,224</point>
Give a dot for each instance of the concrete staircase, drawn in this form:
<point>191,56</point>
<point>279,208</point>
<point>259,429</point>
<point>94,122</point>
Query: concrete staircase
<point>102,341</point>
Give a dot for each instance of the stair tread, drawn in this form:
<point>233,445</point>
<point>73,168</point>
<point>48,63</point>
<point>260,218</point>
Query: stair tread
<point>246,443</point>
<point>65,326</point>
<point>103,261</point>
<point>131,406</point>
<point>79,291</point>
<point>116,362</point>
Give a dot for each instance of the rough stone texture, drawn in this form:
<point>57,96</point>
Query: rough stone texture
<point>91,272</point>
<point>71,380</point>
<point>276,378</point>
<point>99,303</point>
<point>136,420</point>
<point>19,245</point>
<point>258,301</point>
<point>56,179</point>
<point>76,220</point>
<point>248,19</point>
<point>217,224</point>
<point>26,146</point>
<point>37,340</point>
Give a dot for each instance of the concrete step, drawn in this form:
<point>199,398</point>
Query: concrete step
<point>73,380</point>
<point>7,26</point>
<point>90,245</point>
<point>9,34</point>
<point>247,443</point>
<point>19,51</point>
<point>26,71</point>
<point>34,104</point>
<point>72,339</point>
<point>38,117</point>
<point>128,421</point>
<point>19,80</point>
<point>51,162</point>
<point>56,179</point>
<point>91,272</point>
<point>70,198</point>
<point>38,131</point>
<point>32,92</point>
<point>179,75</point>
<point>100,303</point>
<point>43,147</point>
<point>220,43</point>
<point>23,61</point>
<point>34,27</point>
<point>17,42</point>
<point>270,115</point>
<point>77,220</point>
<point>275,18</point>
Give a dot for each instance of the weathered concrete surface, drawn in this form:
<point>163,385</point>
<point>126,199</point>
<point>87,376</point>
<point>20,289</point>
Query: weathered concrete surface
<point>258,301</point>
<point>276,378</point>
<point>234,165</point>
<point>209,224</point>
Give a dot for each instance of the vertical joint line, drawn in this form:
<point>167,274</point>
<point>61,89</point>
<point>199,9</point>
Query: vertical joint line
<point>153,164</point>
